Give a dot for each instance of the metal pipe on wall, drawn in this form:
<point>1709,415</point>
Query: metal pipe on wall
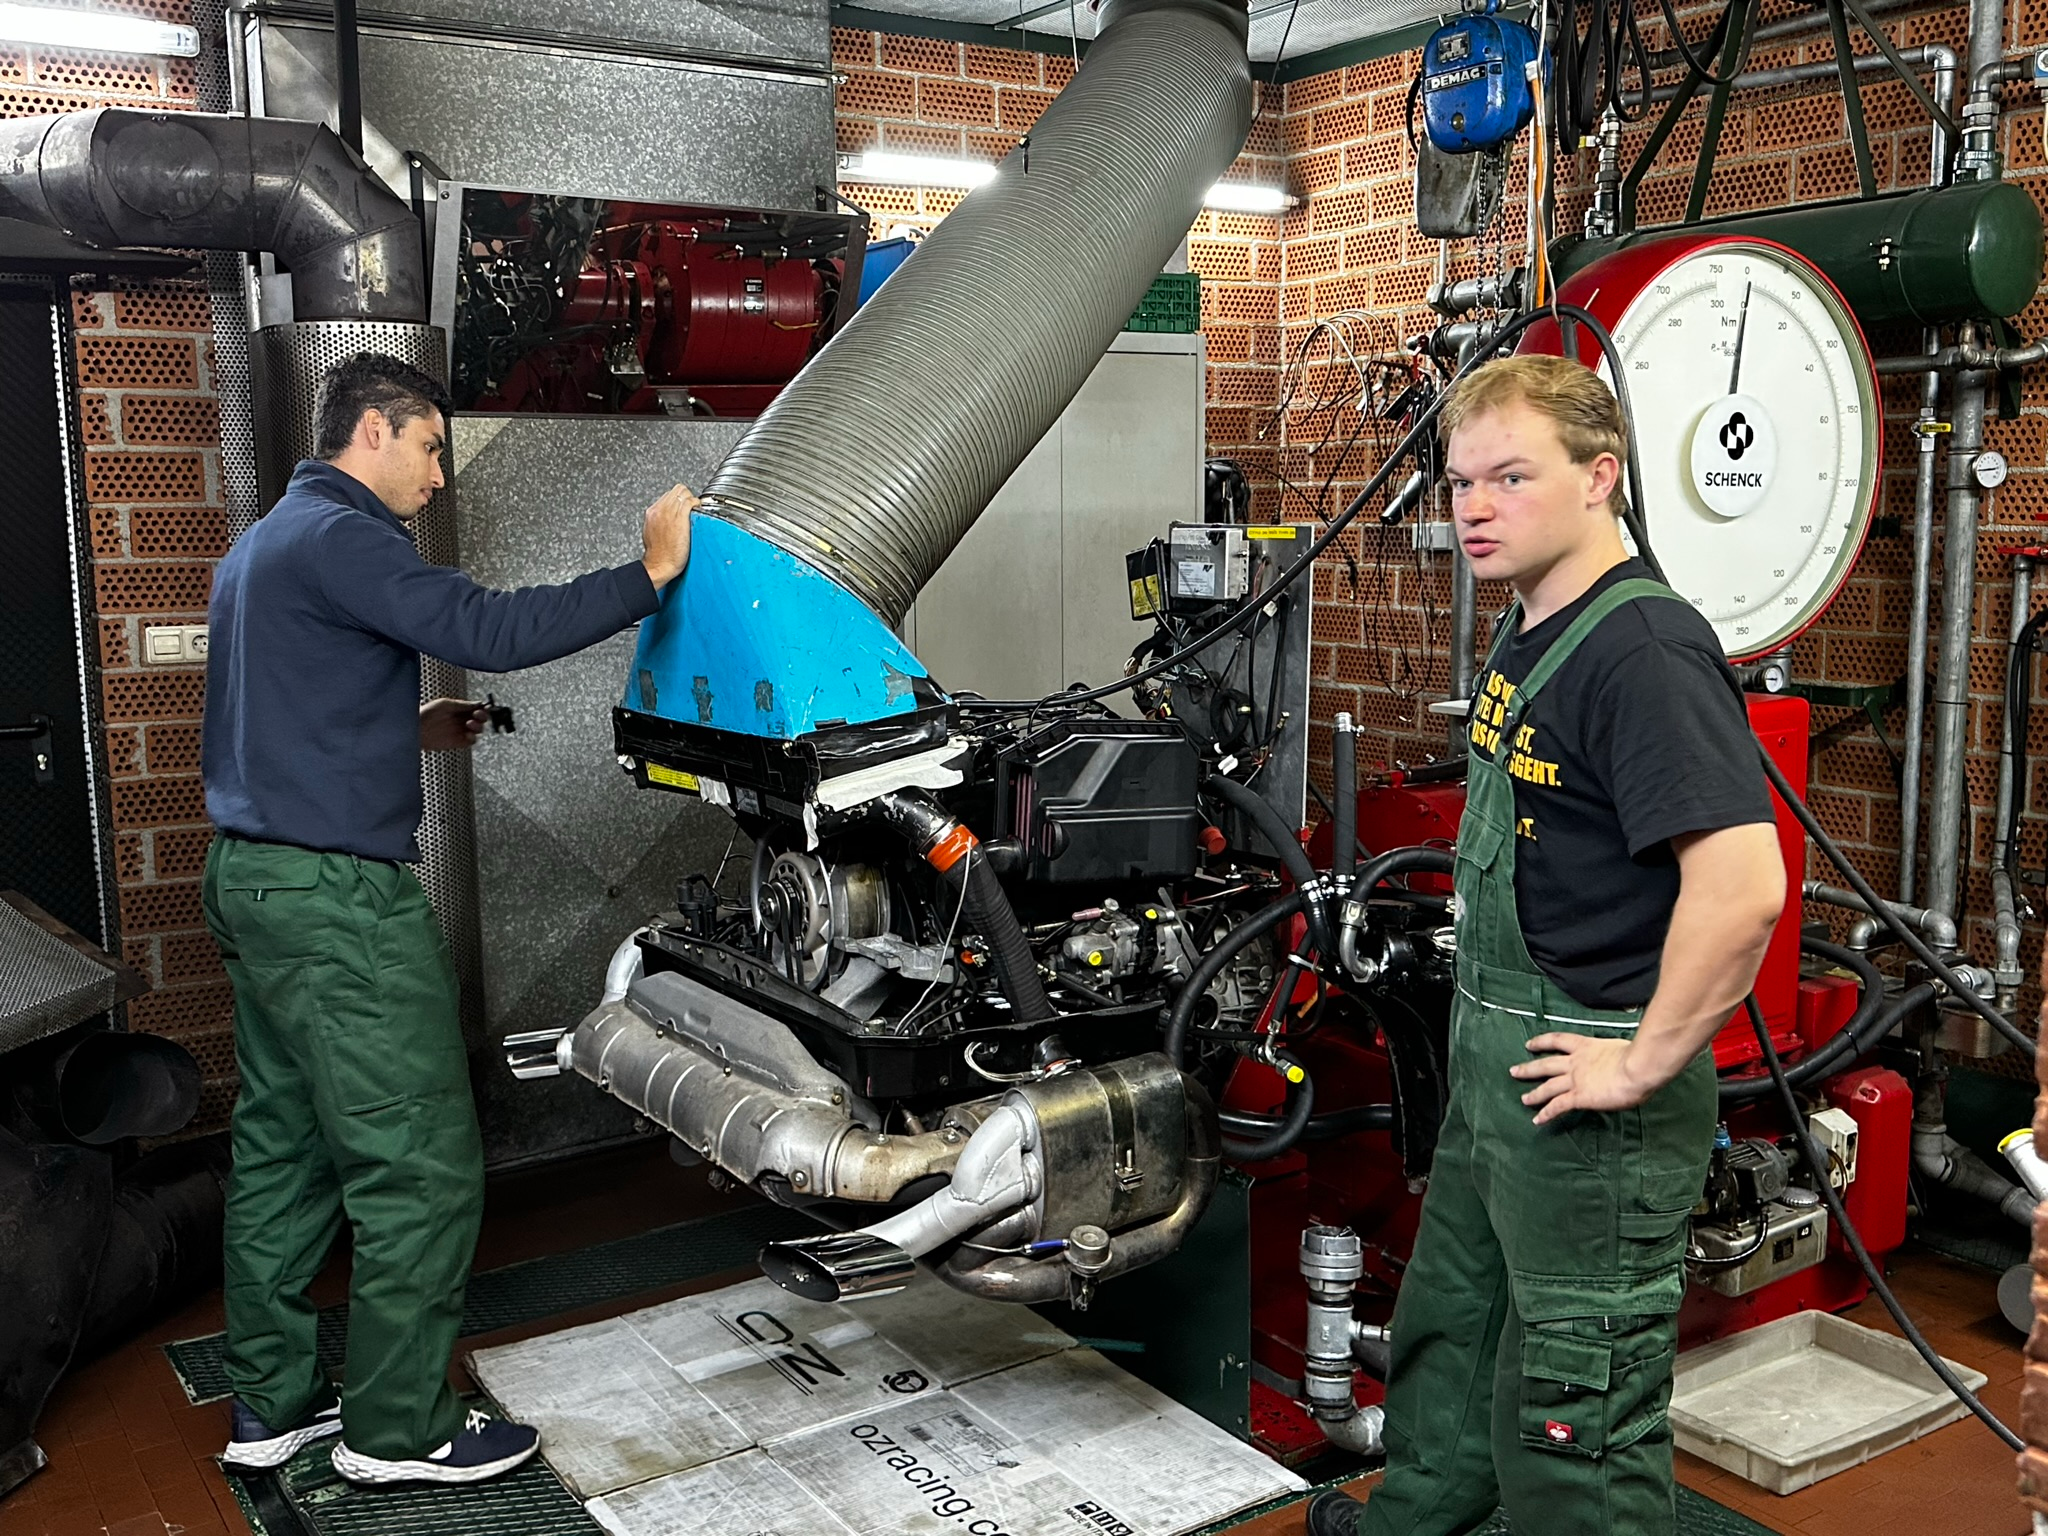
<point>1946,822</point>
<point>2005,967</point>
<point>1946,819</point>
<point>1944,92</point>
<point>1926,56</point>
<point>1916,625</point>
<point>1464,606</point>
<point>1794,26</point>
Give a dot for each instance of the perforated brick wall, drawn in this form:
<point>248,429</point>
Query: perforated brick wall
<point>1352,244</point>
<point>1338,142</point>
<point>151,449</point>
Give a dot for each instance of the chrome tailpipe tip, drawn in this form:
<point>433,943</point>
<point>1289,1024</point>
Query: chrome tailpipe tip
<point>838,1266</point>
<point>538,1053</point>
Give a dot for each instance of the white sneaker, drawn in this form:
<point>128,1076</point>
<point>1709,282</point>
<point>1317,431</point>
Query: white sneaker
<point>485,1448</point>
<point>254,1446</point>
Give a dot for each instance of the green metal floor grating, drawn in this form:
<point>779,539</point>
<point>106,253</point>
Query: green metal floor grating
<point>522,1293</point>
<point>308,1499</point>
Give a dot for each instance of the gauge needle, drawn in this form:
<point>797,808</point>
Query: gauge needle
<point>1741,330</point>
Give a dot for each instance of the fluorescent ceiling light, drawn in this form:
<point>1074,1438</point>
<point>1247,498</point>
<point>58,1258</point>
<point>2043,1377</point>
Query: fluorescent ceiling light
<point>100,31</point>
<point>915,170</point>
<point>880,166</point>
<point>1247,197</point>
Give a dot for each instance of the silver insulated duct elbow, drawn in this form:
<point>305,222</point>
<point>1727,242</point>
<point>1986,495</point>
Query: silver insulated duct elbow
<point>206,181</point>
<point>876,461</point>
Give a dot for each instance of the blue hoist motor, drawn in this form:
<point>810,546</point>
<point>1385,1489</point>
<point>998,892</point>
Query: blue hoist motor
<point>1476,92</point>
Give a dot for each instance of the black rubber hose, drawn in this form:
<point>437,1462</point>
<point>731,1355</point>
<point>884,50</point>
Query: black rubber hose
<point>163,1242</point>
<point>1856,1039</point>
<point>1324,1127</point>
<point>1344,814</point>
<point>1419,432</point>
<point>1817,1162</point>
<point>2019,712</point>
<point>1255,809</point>
<point>1400,861</point>
<point>1876,904</point>
<point>987,911</point>
<point>1301,1103</point>
<point>1393,862</point>
<point>1870,1002</point>
<point>1253,928</point>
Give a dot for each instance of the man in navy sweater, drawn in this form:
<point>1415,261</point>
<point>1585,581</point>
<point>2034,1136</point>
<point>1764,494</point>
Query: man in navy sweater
<point>355,1100</point>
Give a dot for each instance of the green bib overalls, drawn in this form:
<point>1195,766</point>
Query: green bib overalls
<point>1537,1323</point>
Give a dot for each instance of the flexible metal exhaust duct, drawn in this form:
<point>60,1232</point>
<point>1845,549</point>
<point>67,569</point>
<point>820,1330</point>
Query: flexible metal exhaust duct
<point>876,461</point>
<point>208,181</point>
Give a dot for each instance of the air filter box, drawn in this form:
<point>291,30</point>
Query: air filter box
<point>1101,800</point>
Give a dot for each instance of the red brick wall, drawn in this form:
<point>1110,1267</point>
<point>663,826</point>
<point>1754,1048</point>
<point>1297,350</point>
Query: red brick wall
<point>1337,141</point>
<point>151,427</point>
<point>1351,244</point>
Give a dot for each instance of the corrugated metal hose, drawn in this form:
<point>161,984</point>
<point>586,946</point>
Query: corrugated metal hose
<point>878,458</point>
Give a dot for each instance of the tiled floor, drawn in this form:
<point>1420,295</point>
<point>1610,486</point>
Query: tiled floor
<point>130,1457</point>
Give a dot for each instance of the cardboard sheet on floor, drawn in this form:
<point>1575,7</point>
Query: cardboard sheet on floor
<point>749,1409</point>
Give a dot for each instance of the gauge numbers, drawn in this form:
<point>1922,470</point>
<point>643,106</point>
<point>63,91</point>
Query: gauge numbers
<point>1758,415</point>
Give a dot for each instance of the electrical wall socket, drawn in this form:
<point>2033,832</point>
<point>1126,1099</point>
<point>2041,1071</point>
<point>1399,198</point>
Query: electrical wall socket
<point>171,645</point>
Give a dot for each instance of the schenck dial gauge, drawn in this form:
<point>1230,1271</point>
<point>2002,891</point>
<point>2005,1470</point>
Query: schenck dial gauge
<point>1758,424</point>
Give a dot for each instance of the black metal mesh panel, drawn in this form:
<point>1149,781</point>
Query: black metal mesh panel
<point>53,841</point>
<point>45,984</point>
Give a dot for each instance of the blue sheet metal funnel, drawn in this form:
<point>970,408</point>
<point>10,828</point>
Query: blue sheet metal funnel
<point>752,640</point>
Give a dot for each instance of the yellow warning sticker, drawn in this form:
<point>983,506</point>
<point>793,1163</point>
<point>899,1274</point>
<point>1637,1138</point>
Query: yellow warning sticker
<point>1273,531</point>
<point>1145,597</point>
<point>674,777</point>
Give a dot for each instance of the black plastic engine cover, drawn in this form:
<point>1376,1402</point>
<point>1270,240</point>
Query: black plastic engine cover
<point>1102,800</point>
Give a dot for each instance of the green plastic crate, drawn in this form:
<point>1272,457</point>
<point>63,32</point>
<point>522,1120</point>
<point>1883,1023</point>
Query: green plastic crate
<point>1173,303</point>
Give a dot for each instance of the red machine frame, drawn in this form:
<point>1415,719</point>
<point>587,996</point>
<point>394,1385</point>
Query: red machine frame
<point>1358,1181</point>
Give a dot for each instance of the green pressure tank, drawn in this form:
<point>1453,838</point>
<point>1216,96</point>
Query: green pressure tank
<point>1964,252</point>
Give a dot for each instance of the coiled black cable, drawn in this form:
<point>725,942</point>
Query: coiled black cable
<point>1417,434</point>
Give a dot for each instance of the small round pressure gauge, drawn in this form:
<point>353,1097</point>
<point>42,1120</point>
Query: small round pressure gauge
<point>1757,419</point>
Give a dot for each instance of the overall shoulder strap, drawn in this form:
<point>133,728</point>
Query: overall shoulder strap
<point>1616,596</point>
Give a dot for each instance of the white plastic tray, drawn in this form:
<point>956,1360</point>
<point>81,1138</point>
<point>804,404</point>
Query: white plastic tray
<point>1805,1397</point>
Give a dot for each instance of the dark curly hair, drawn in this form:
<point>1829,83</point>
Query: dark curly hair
<point>371,381</point>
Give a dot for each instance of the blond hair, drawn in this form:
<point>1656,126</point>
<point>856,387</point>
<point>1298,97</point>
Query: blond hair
<point>1578,403</point>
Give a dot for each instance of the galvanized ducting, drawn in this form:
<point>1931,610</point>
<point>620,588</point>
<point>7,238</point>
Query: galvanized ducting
<point>876,461</point>
<point>200,181</point>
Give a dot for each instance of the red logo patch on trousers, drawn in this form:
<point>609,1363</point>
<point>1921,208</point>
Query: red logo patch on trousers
<point>1560,1434</point>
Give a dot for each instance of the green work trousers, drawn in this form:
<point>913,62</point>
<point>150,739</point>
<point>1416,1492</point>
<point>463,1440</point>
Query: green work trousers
<point>1537,1322</point>
<point>355,1104</point>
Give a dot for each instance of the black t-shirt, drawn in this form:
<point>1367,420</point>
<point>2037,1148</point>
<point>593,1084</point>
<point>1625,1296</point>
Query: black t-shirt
<point>1639,737</point>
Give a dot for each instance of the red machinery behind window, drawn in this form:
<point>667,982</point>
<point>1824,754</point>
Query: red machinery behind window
<point>572,305</point>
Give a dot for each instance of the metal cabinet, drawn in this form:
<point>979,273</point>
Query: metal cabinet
<point>1035,598</point>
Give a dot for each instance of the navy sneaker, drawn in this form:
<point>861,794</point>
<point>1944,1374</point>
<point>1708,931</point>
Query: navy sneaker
<point>484,1447</point>
<point>1333,1512</point>
<point>253,1446</point>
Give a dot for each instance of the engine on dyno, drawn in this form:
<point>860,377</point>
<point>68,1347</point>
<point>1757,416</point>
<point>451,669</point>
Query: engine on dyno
<point>982,1023</point>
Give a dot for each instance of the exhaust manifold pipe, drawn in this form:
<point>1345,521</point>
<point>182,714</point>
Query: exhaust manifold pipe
<point>1109,1166</point>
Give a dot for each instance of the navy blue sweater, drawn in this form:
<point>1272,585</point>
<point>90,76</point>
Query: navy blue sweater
<point>319,615</point>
